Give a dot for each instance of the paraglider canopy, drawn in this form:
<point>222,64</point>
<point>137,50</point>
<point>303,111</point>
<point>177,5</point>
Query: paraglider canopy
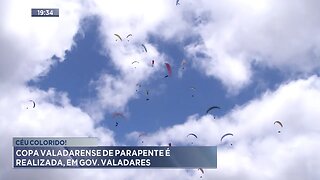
<point>144,47</point>
<point>118,37</point>
<point>202,171</point>
<point>278,122</point>
<point>135,62</point>
<point>32,104</point>
<point>193,89</point>
<point>142,135</point>
<point>211,108</point>
<point>225,135</point>
<point>169,70</point>
<point>118,114</point>
<point>192,134</point>
<point>128,36</point>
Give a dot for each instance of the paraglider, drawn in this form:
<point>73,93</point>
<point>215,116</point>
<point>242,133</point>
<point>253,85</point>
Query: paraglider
<point>183,63</point>
<point>168,69</point>
<point>128,36</point>
<point>144,47</point>
<point>134,63</point>
<point>147,94</point>
<point>202,171</point>
<point>141,135</point>
<point>33,104</point>
<point>193,89</point>
<point>278,122</point>
<point>118,115</point>
<point>138,86</point>
<point>225,135</point>
<point>118,37</point>
<point>192,134</point>
<point>211,108</point>
<point>152,63</point>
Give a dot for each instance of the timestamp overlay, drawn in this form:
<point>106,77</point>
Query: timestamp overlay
<point>45,12</point>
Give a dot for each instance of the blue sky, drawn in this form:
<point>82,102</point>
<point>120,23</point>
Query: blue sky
<point>169,106</point>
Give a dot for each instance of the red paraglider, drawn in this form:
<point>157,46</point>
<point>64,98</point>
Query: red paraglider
<point>168,69</point>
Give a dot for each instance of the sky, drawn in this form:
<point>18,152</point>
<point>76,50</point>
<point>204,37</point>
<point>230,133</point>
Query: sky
<point>257,60</point>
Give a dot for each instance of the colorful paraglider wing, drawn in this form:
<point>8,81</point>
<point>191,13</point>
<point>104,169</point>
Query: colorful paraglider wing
<point>228,134</point>
<point>213,107</point>
<point>168,69</point>
<point>118,36</point>
<point>144,47</point>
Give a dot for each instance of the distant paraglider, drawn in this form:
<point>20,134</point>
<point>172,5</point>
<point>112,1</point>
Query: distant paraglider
<point>152,63</point>
<point>192,135</point>
<point>118,37</point>
<point>169,70</point>
<point>193,89</point>
<point>144,47</point>
<point>211,108</point>
<point>138,87</point>
<point>128,36</point>
<point>183,63</point>
<point>32,104</point>
<point>177,2</point>
<point>141,135</point>
<point>118,115</point>
<point>202,171</point>
<point>147,94</point>
<point>134,62</point>
<point>225,135</point>
<point>278,122</point>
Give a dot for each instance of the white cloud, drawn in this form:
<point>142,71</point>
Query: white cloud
<point>53,116</point>
<point>277,34</point>
<point>234,34</point>
<point>258,151</point>
<point>28,43</point>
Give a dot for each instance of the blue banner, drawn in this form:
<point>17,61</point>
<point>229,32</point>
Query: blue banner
<point>115,157</point>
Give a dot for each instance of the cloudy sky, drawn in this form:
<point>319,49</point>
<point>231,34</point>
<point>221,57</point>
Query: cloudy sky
<point>258,60</point>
